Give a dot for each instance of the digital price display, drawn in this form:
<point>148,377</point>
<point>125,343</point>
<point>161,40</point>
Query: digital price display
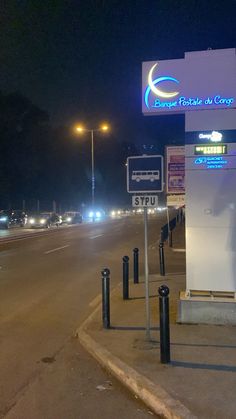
<point>208,149</point>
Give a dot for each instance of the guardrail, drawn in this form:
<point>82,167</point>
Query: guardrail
<point>166,234</point>
<point>166,231</point>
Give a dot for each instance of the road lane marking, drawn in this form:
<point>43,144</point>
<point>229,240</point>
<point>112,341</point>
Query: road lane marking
<point>57,248</point>
<point>179,250</point>
<point>94,237</point>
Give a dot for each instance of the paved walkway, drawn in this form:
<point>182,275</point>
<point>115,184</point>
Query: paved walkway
<point>199,382</point>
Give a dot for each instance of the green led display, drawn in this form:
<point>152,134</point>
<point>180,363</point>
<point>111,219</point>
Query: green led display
<point>210,149</point>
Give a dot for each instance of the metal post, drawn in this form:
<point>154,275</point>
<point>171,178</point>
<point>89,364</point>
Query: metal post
<point>146,275</point>
<point>164,324</point>
<point>161,258</point>
<point>125,277</point>
<point>168,223</point>
<point>170,239</point>
<point>181,216</point>
<point>106,298</point>
<point>136,267</point>
<point>92,171</point>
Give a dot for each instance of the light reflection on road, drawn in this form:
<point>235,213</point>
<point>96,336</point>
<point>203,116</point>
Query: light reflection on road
<point>15,232</point>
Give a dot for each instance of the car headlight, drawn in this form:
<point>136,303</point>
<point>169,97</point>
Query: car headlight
<point>113,213</point>
<point>31,220</point>
<point>90,214</point>
<point>42,221</point>
<point>69,219</point>
<point>3,219</point>
<point>98,214</point>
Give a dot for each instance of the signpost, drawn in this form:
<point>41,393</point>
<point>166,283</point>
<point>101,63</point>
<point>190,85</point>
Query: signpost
<point>145,176</point>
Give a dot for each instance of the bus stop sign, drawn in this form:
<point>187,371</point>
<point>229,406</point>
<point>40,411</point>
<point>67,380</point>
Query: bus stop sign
<point>144,174</point>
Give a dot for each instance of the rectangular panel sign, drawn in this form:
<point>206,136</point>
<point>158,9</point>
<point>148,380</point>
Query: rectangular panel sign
<point>145,201</point>
<point>224,162</point>
<point>202,80</point>
<point>145,174</point>
<point>175,200</point>
<point>175,169</point>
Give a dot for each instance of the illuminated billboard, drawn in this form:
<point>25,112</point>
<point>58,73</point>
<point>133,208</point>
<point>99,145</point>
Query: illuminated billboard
<point>202,80</point>
<point>175,170</point>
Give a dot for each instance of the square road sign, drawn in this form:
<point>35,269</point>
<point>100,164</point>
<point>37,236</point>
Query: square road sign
<point>145,174</point>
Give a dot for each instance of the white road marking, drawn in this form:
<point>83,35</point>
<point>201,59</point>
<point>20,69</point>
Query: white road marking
<point>179,250</point>
<point>94,237</point>
<point>55,250</point>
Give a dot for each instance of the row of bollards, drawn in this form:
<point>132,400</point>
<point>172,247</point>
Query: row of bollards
<point>163,310</point>
<point>136,268</point>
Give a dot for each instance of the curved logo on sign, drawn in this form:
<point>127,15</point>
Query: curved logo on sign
<point>200,160</point>
<point>156,90</point>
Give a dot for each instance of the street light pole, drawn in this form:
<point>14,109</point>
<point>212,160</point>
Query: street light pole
<point>92,174</point>
<point>80,129</point>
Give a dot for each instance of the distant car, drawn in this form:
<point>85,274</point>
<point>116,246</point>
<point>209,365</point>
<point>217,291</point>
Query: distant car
<point>72,217</point>
<point>43,220</point>
<point>12,218</point>
<point>95,215</point>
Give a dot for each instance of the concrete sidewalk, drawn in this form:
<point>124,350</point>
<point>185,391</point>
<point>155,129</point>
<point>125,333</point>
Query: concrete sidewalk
<point>199,382</point>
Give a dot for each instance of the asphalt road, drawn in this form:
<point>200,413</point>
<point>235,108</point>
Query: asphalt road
<point>49,283</point>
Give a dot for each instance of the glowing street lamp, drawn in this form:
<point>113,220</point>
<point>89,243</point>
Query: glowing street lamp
<point>80,129</point>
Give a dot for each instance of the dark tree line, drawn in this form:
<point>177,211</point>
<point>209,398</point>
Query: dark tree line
<point>42,163</point>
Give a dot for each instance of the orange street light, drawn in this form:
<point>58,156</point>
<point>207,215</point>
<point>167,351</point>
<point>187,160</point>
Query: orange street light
<point>80,129</point>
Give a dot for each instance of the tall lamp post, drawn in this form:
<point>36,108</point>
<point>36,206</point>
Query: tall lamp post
<point>80,129</point>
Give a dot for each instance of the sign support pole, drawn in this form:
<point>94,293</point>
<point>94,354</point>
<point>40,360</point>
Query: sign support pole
<point>168,222</point>
<point>148,337</point>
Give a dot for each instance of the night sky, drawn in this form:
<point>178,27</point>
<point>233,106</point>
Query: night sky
<point>81,60</point>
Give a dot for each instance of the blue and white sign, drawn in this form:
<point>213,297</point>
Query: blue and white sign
<point>145,174</point>
<point>202,80</point>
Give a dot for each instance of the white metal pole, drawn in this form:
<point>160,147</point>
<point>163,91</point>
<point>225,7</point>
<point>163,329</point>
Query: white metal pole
<point>146,275</point>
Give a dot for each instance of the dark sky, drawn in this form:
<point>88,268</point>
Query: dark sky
<point>81,60</point>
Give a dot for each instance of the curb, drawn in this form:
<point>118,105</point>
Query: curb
<point>153,395</point>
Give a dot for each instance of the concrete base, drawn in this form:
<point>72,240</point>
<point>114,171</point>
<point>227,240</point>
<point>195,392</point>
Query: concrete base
<point>195,310</point>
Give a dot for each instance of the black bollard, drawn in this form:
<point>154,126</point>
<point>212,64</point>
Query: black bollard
<point>170,239</point>
<point>125,277</point>
<point>106,298</point>
<point>136,267</point>
<point>161,258</point>
<point>162,236</point>
<point>164,324</point>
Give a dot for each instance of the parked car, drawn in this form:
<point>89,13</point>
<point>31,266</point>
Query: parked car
<point>72,217</point>
<point>12,218</point>
<point>43,220</point>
